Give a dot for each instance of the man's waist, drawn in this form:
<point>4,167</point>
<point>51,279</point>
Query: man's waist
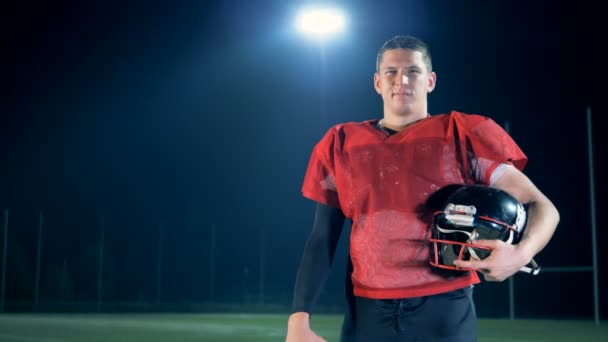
<point>411,290</point>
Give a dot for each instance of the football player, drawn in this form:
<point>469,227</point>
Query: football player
<point>380,174</point>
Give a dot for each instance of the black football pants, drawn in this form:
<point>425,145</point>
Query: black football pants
<point>445,317</point>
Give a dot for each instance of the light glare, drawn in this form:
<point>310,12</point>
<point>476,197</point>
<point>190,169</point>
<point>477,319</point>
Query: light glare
<point>320,21</point>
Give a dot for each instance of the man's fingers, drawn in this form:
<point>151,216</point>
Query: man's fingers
<point>472,264</point>
<point>486,243</point>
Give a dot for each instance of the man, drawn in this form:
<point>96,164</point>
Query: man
<point>379,174</point>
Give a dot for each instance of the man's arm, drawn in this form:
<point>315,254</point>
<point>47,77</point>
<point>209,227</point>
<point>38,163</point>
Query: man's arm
<point>314,269</point>
<point>543,217</point>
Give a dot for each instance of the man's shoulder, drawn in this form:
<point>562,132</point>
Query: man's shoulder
<point>350,128</point>
<point>465,116</point>
<point>341,132</point>
<point>347,133</point>
<point>354,125</point>
<point>462,118</point>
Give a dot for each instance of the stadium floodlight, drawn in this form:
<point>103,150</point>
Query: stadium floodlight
<point>320,22</point>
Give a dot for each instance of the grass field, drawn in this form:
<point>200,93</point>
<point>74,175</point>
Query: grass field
<point>246,327</point>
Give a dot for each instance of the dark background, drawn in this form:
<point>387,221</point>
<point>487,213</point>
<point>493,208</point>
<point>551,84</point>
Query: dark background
<point>193,116</point>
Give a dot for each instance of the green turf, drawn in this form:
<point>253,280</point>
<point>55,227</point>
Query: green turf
<point>247,327</point>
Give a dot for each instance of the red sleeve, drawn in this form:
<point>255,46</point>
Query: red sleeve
<point>490,145</point>
<point>320,179</point>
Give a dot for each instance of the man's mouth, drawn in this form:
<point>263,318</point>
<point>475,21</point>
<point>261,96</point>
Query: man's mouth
<point>402,91</point>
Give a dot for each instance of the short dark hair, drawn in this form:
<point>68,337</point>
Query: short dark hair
<point>409,43</point>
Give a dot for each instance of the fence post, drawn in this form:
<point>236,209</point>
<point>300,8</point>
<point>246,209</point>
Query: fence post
<point>38,258</point>
<point>100,269</point>
<point>4,259</point>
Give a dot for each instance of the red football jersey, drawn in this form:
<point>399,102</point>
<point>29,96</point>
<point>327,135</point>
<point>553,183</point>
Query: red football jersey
<point>380,182</point>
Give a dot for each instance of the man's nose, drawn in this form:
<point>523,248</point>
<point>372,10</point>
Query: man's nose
<point>404,79</point>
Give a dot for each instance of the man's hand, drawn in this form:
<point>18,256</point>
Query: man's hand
<point>298,329</point>
<point>504,261</point>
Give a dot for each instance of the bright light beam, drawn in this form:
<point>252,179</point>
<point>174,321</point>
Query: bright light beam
<point>320,22</point>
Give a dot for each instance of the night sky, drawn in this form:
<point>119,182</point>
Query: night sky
<point>193,116</point>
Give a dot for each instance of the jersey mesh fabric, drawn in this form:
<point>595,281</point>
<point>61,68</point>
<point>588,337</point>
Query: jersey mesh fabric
<point>382,182</point>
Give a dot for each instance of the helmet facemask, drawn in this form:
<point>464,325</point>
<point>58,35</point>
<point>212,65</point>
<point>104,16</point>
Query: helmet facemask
<point>466,218</point>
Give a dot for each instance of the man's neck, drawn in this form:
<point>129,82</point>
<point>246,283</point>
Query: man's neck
<point>399,123</point>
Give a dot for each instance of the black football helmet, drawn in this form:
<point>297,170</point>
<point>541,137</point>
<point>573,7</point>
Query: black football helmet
<point>476,212</point>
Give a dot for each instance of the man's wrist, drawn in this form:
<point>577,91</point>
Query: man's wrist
<point>525,251</point>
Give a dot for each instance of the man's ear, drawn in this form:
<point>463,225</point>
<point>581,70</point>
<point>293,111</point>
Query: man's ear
<point>377,83</point>
<point>432,82</point>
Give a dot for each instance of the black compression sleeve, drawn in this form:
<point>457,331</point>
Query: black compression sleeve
<point>318,257</point>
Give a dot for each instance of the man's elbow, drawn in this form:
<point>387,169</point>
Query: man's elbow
<point>555,214</point>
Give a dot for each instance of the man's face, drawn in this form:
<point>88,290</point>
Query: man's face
<point>403,81</point>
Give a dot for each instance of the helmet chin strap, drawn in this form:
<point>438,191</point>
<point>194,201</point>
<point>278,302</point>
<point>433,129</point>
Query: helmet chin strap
<point>532,268</point>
